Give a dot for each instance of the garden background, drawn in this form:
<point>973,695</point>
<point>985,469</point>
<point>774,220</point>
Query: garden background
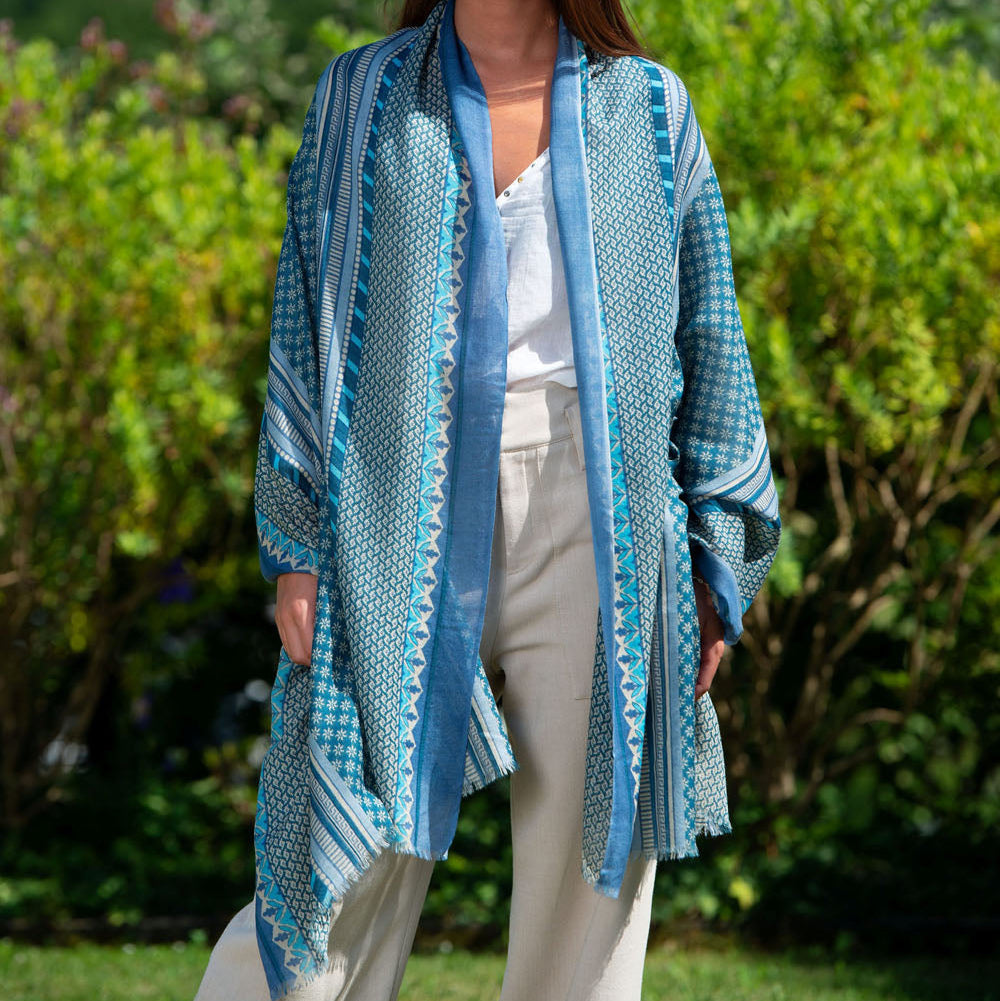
<point>142,168</point>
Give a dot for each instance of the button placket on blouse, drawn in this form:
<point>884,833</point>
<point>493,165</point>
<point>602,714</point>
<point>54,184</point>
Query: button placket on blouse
<point>534,165</point>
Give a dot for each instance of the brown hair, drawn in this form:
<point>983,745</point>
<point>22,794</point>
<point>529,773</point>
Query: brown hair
<point>600,24</point>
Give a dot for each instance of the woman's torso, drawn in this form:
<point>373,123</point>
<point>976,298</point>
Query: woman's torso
<point>540,345</point>
<point>519,105</point>
<point>539,342</point>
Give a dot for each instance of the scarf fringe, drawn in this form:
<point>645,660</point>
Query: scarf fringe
<point>333,881</point>
<point>704,827</point>
<point>343,841</point>
<point>501,764</point>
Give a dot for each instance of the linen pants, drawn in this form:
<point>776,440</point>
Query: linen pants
<point>566,941</point>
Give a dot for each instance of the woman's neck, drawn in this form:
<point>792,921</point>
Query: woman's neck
<point>508,32</point>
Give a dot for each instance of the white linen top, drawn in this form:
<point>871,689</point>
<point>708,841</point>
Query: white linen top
<point>539,341</point>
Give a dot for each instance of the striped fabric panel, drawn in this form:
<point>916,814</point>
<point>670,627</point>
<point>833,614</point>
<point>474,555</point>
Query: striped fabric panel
<point>439,420</point>
<point>489,754</point>
<point>290,428</point>
<point>345,169</point>
<point>748,486</point>
<point>662,129</point>
<point>343,840</point>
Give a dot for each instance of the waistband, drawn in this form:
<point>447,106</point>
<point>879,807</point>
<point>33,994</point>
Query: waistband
<point>536,416</point>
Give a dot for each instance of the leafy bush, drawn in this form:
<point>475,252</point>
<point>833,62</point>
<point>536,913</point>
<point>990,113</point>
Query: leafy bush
<point>139,253</point>
<point>857,147</point>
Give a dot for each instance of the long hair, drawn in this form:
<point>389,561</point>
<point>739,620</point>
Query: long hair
<point>600,24</point>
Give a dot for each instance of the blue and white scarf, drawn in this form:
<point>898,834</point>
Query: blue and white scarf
<point>379,453</point>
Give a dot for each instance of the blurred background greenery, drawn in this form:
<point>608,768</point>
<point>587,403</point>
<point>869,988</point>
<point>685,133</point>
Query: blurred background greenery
<point>142,201</point>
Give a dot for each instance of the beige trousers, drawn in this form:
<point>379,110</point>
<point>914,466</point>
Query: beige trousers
<point>567,942</point>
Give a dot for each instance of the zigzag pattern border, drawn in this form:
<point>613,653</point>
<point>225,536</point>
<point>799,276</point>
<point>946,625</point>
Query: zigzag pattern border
<point>628,656</point>
<point>270,905</point>
<point>282,548</point>
<point>441,362</point>
<point>627,626</point>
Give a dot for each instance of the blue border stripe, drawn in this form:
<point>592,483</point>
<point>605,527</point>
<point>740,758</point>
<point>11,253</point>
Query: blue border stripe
<point>355,340</point>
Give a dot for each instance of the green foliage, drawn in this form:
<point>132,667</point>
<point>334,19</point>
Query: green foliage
<point>857,148</point>
<point>979,26</point>
<point>170,848</point>
<point>676,969</point>
<point>139,23</point>
<point>217,38</point>
<point>139,252</point>
<point>141,209</point>
<point>856,167</point>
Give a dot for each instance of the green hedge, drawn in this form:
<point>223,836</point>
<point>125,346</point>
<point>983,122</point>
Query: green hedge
<point>140,219</point>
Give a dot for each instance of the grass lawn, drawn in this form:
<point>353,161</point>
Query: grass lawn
<point>172,973</point>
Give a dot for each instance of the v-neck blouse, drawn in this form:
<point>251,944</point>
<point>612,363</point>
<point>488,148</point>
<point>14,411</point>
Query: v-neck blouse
<point>539,341</point>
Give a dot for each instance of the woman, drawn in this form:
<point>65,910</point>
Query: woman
<point>513,485</point>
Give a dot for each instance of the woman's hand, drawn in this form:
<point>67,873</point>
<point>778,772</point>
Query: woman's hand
<point>713,645</point>
<point>295,614</point>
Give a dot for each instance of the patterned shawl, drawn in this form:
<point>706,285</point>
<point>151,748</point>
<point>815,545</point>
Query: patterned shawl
<point>379,454</point>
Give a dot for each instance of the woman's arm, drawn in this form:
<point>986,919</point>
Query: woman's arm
<point>724,467</point>
<point>287,481</point>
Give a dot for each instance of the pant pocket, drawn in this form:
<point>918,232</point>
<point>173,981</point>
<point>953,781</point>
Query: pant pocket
<point>572,413</point>
<point>573,575</point>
